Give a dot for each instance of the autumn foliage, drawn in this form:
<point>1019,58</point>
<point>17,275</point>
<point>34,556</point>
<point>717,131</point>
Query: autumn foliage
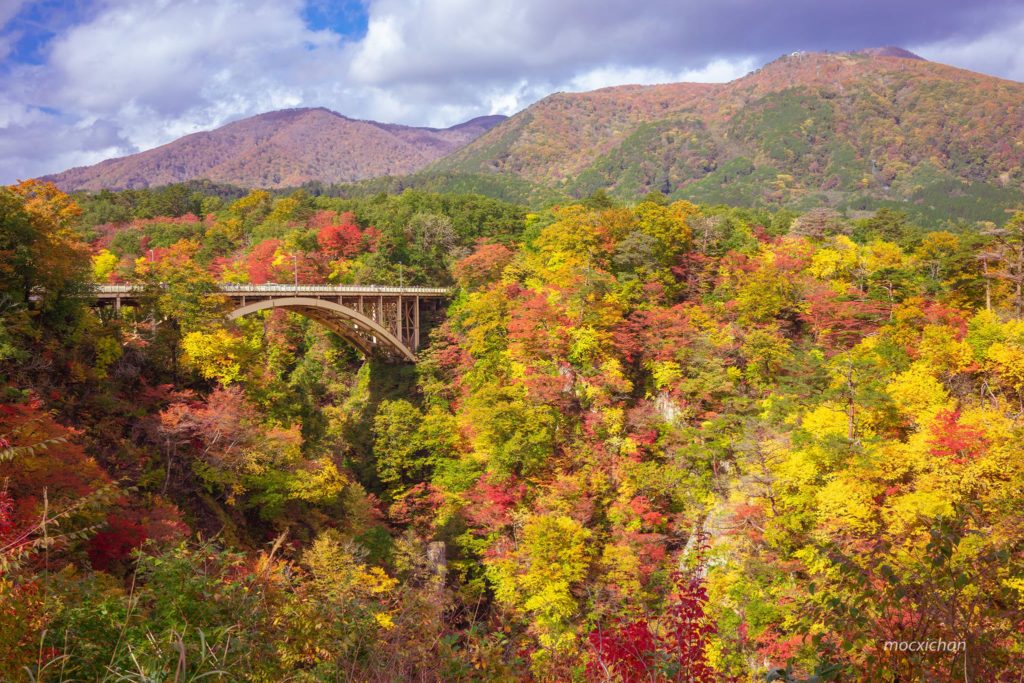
<point>657,442</point>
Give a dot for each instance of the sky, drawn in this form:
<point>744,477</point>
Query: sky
<point>86,80</point>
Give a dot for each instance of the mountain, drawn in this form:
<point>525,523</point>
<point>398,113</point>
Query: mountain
<point>856,131</point>
<point>853,130</point>
<point>281,149</point>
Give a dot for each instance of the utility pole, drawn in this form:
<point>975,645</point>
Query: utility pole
<point>295,261</point>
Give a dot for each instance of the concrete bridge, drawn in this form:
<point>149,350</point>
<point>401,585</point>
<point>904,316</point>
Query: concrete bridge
<point>381,321</point>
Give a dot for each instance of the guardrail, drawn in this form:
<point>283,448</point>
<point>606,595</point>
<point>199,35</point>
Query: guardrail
<point>274,288</point>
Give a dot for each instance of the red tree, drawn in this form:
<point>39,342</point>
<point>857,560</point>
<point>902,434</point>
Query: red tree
<point>259,262</point>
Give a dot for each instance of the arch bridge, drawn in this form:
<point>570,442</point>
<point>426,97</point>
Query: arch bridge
<point>381,321</point>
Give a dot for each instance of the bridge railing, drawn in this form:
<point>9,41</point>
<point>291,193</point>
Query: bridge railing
<point>274,288</point>
<point>334,289</point>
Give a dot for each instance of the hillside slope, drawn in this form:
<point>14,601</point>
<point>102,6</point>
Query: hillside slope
<point>854,130</point>
<point>281,149</point>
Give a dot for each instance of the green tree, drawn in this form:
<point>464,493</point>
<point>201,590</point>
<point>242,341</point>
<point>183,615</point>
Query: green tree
<point>397,448</point>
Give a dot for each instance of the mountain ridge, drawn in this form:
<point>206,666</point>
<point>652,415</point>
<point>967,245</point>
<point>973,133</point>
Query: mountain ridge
<point>281,148</point>
<point>851,130</point>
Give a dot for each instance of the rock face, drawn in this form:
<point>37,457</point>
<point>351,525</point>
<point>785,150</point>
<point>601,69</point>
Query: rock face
<point>437,558</point>
<point>282,149</point>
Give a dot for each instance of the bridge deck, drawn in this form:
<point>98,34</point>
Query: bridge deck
<point>126,291</point>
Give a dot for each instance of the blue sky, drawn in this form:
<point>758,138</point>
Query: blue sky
<point>85,80</point>
<point>348,18</point>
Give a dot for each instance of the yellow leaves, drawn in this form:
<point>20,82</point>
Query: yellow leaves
<point>764,295</point>
<point>50,252</point>
<point>838,261</point>
<point>384,620</point>
<point>936,245</point>
<point>252,208</point>
<point>276,450</point>
<point>1016,584</point>
<point>284,210</point>
<point>880,255</point>
<point>142,266</point>
<point>575,233</point>
<point>844,260</point>
<point>340,574</point>
<point>983,329</point>
<point>108,350</point>
<point>103,265</point>
<point>847,503</point>
<point>378,582</point>
<point>918,393</point>
<point>614,420</point>
<point>766,351</point>
<point>558,549</point>
<point>665,373</point>
<point>718,334</point>
<point>340,270</point>
<point>319,484</point>
<point>231,228</point>
<point>557,556</point>
<point>235,272</point>
<point>622,568</point>
<point>486,312</point>
<point>551,601</point>
<point>217,355</point>
<point>502,575</point>
<point>281,258</point>
<point>538,578</point>
<point>613,376</point>
<point>817,563</point>
<point>905,512</point>
<point>825,421</point>
<point>799,473</point>
<point>667,224</point>
<point>940,350</point>
<point>784,180</point>
<point>586,344</point>
<point>682,210</point>
<point>1007,362</point>
<point>48,206</point>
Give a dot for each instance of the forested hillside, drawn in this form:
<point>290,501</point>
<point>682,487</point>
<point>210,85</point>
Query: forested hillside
<point>281,149</point>
<point>651,441</point>
<point>850,130</point>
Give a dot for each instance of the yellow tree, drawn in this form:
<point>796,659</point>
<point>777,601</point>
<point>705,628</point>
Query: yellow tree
<point>42,254</point>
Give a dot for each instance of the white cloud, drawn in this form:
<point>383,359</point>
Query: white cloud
<point>9,9</point>
<point>186,59</point>
<point>433,39</point>
<point>998,52</point>
<point>157,70</point>
<point>718,71</point>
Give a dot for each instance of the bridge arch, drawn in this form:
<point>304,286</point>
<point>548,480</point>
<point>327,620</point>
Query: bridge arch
<point>367,335</point>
